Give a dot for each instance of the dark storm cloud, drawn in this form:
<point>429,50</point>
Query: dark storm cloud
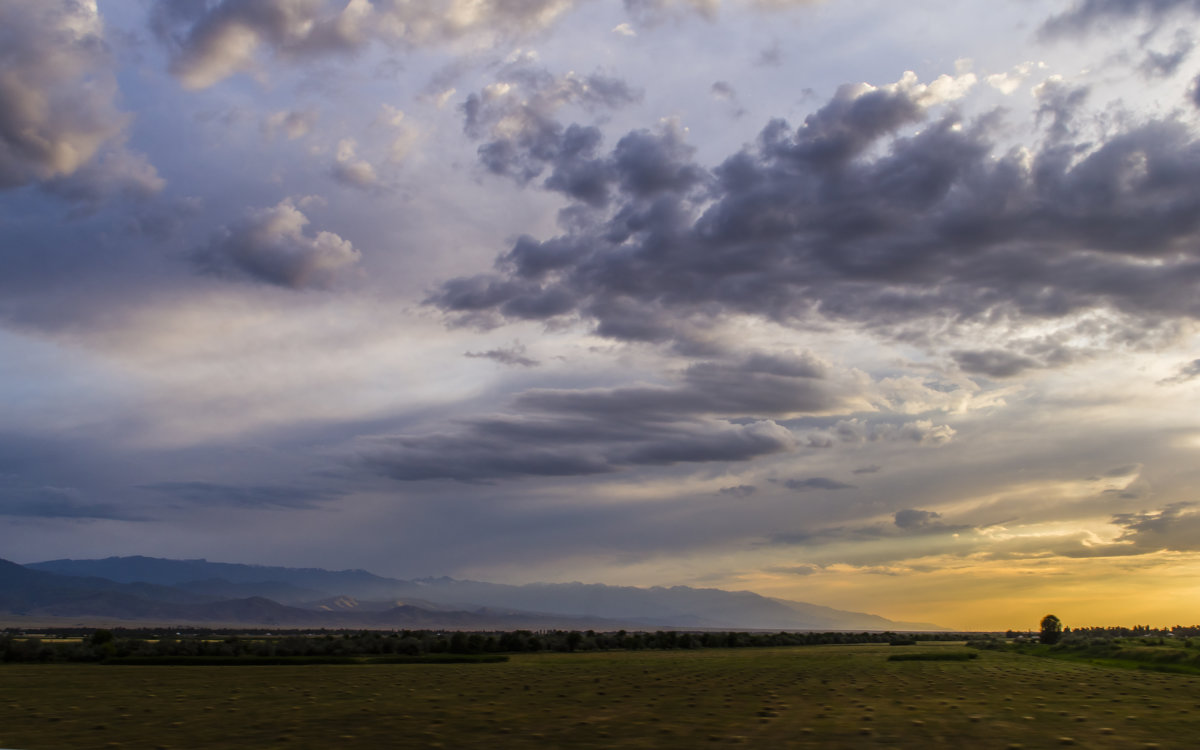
<point>856,117</point>
<point>816,483</point>
<point>212,495</point>
<point>993,363</point>
<point>270,246</point>
<point>716,411</point>
<point>845,219</point>
<point>649,165</point>
<point>1086,14</point>
<point>513,355</point>
<point>57,104</point>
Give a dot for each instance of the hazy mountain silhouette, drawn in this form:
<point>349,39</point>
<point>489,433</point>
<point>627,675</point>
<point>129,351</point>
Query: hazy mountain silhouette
<point>352,598</point>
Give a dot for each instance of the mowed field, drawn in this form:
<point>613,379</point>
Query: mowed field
<point>806,697</point>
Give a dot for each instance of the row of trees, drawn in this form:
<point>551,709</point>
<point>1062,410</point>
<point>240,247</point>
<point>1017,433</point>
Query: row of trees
<point>103,645</point>
<point>1052,632</point>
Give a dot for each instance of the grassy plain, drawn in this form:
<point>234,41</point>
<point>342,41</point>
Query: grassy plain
<point>800,697</point>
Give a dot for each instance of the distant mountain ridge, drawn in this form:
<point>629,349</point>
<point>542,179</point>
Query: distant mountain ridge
<point>351,598</point>
<point>175,572</point>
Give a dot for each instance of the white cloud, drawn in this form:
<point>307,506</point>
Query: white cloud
<point>352,171</point>
<point>1008,82</point>
<point>293,124</point>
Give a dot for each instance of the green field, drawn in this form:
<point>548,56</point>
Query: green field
<point>815,697</point>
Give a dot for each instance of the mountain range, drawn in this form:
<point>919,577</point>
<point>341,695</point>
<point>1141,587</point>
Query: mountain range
<point>178,592</point>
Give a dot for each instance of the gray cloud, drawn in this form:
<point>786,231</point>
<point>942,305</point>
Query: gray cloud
<point>816,483</point>
<point>507,447</point>
<point>1162,64</point>
<point>57,94</point>
<point>912,519</point>
<point>723,90</point>
<point>858,431</point>
<point>513,355</point>
<point>291,123</point>
<point>1175,528</point>
<point>717,441</point>
<point>352,171</point>
<point>741,490</point>
<point>516,119</point>
<point>1086,14</point>
<point>771,57</point>
<point>270,246</point>
<point>872,469</point>
<point>1061,105</point>
<point>1127,470</point>
<point>211,41</point>
<point>115,172</point>
<point>905,523</point>
<point>1189,371</point>
<point>259,496</point>
<point>716,411</point>
<point>1123,494</point>
<point>994,363</point>
<point>795,570</point>
<point>758,385</point>
<point>58,502</point>
<point>843,219</point>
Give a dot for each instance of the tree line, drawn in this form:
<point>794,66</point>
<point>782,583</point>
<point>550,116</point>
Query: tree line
<point>116,644</point>
<point>1109,632</point>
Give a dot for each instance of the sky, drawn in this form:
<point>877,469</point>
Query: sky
<point>890,307</point>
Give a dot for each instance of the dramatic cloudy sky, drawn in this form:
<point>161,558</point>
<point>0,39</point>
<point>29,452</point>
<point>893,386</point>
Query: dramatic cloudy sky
<point>885,306</point>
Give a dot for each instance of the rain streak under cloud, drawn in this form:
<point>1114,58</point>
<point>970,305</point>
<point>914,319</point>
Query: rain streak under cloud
<point>878,307</point>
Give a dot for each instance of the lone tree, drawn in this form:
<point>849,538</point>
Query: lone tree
<point>1051,629</point>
